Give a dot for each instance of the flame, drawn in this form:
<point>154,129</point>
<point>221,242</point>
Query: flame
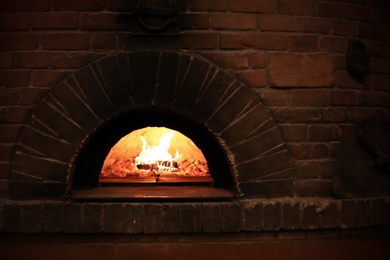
<point>158,154</point>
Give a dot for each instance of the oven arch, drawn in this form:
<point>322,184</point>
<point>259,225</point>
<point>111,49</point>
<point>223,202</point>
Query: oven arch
<point>182,83</point>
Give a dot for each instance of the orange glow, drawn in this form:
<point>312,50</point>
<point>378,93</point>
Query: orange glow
<point>153,151</point>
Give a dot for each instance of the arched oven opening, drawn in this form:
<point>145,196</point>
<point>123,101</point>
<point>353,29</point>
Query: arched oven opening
<point>108,164</point>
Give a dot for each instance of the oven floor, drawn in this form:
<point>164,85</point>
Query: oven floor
<point>129,193</point>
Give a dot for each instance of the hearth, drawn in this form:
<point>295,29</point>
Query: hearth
<point>62,150</point>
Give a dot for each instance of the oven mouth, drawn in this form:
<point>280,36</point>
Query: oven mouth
<point>90,184</point>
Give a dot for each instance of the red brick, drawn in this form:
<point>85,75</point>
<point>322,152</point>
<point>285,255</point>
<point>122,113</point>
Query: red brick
<point>25,41</point>
<point>334,115</point>
<point>280,23</point>
<point>304,70</point>
<point>14,22</point>
<point>204,40</point>
<point>206,5</point>
<point>194,21</point>
<point>16,78</point>
<point>252,6</point>
<point>257,60</point>
<point>229,60</point>
<point>360,114</point>
<point>381,82</point>
<point>296,7</point>
<point>68,60</point>
<point>315,25</point>
<point>6,60</point>
<point>379,65</point>
<point>373,31</point>
<point>76,5</point>
<point>8,96</point>
<point>274,97</point>
<point>313,188</point>
<point>46,78</point>
<point>383,17</point>
<point>104,40</point>
<point>66,41</point>
<point>344,80</point>
<point>54,20</point>
<point>308,150</point>
<point>295,132</point>
<point>254,78</point>
<point>331,10</point>
<point>302,43</point>
<point>6,152</point>
<point>381,49</point>
<point>233,21</point>
<point>332,44</point>
<point>307,169</point>
<point>345,27</point>
<point>8,6</point>
<point>379,99</point>
<point>9,133</point>
<point>252,40</point>
<point>308,97</point>
<point>17,115</point>
<point>296,115</point>
<point>104,21</point>
<point>30,96</point>
<point>31,59</point>
<point>322,133</point>
<point>34,5</point>
<point>343,98</point>
<point>360,13</point>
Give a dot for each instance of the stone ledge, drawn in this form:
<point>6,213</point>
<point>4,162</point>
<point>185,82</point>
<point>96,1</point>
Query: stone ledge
<point>287,214</point>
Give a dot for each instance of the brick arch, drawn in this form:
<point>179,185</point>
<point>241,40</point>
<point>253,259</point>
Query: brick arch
<point>178,82</point>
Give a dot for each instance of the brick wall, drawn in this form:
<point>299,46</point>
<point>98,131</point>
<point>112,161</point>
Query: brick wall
<point>291,52</point>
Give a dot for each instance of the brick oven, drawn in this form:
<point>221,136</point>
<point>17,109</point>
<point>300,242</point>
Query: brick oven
<point>289,134</point>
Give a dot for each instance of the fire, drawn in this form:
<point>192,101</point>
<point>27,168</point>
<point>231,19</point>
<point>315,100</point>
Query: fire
<point>157,156</point>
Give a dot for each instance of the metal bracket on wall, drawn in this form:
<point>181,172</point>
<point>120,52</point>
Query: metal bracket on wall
<point>156,17</point>
<point>357,61</point>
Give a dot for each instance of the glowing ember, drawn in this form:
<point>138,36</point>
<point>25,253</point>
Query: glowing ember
<point>157,156</point>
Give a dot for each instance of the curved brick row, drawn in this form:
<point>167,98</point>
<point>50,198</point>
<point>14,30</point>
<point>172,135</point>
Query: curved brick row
<point>180,83</point>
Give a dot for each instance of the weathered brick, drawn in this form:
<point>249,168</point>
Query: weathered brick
<point>360,13</point>
<point>25,41</point>
<point>343,98</point>
<point>332,44</point>
<point>344,27</point>
<point>308,97</point>
<point>322,132</point>
<point>252,216</point>
<point>280,23</point>
<point>297,7</point>
<point>16,78</point>
<point>65,41</point>
<point>191,218</point>
<point>212,222</point>
<point>331,10</point>
<point>194,21</point>
<point>232,217</point>
<point>254,78</point>
<point>31,218</point>
<point>294,132</point>
<point>363,213</point>
<point>54,21</point>
<point>272,213</point>
<point>73,213</point>
<point>302,43</point>
<point>306,169</point>
<point>296,115</point>
<point>69,60</point>
<point>92,218</point>
<point>44,78</point>
<point>17,115</point>
<point>313,188</point>
<point>291,215</point>
<point>52,218</point>
<point>334,114</point>
<point>274,97</point>
<point>315,25</point>
<point>11,218</point>
<point>378,212</point>
<point>6,60</point>
<point>347,214</point>
<point>14,22</point>
<point>330,214</point>
<point>233,21</point>
<point>31,59</point>
<point>305,70</point>
<point>205,5</point>
<point>115,218</point>
<point>103,40</point>
<point>229,59</point>
<point>310,218</point>
<point>75,5</point>
<point>104,21</point>
<point>309,150</point>
<point>252,40</point>
<point>266,6</point>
